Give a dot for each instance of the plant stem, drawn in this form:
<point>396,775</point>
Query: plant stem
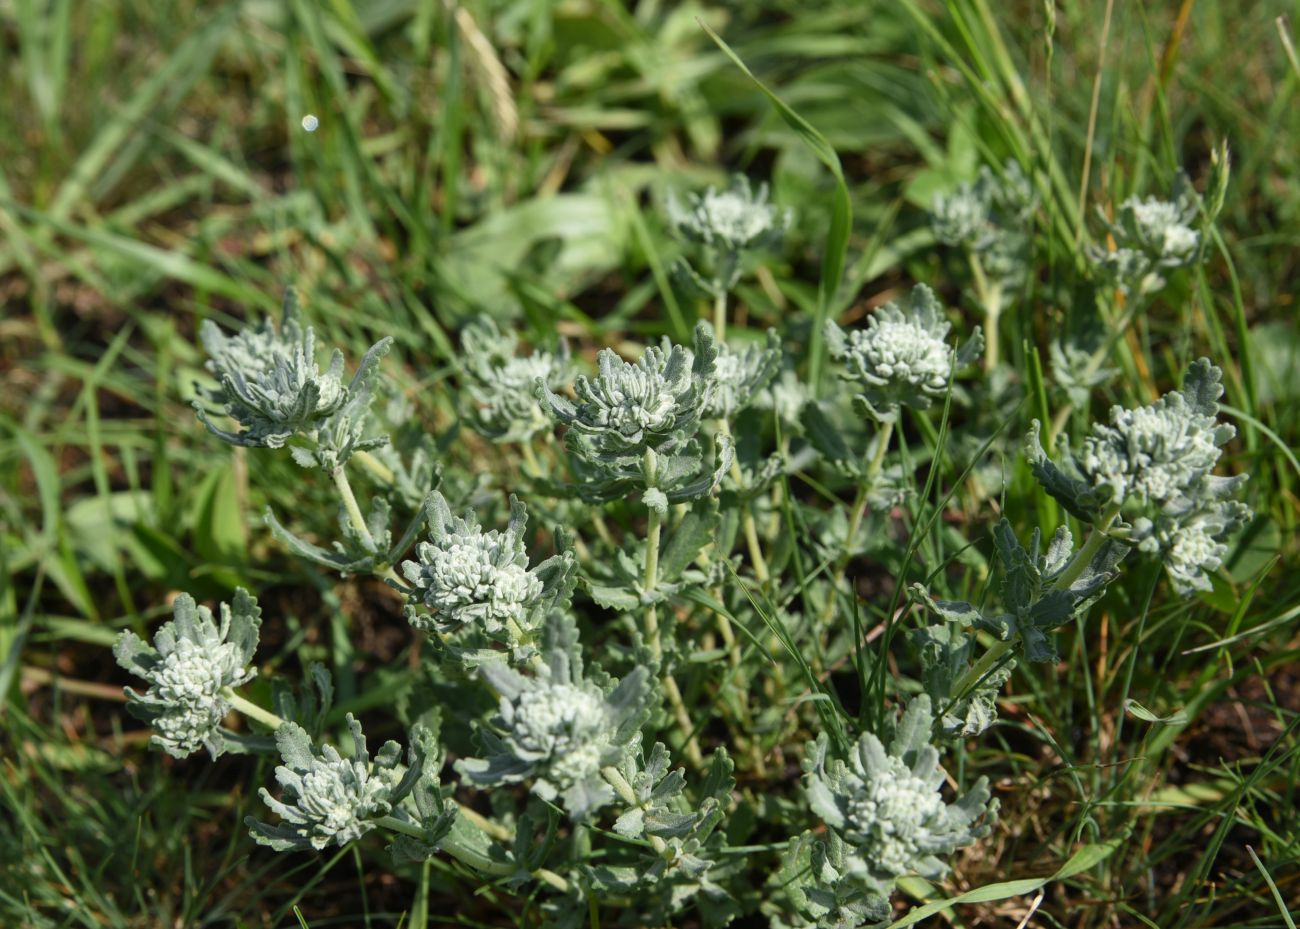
<point>251,710</point>
<point>650,581</point>
<point>650,573</point>
<point>530,458</point>
<point>375,466</point>
<point>756,559</point>
<point>350,503</point>
<point>990,298</point>
<point>615,779</point>
<point>720,315</point>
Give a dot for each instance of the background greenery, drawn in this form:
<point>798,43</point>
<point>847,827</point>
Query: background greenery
<point>506,156</point>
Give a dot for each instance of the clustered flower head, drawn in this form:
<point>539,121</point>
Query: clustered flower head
<point>192,660</point>
<point>1152,237</point>
<point>902,358</point>
<point>885,804</point>
<point>502,384</point>
<point>990,219</point>
<point>734,219</point>
<point>269,382</point>
<point>1154,464</point>
<point>327,798</point>
<point>724,225</point>
<point>741,375</point>
<point>653,403</point>
<point>558,731</point>
<point>470,577</point>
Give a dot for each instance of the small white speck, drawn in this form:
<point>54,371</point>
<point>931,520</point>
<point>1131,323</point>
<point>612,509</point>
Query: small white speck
<point>310,122</point>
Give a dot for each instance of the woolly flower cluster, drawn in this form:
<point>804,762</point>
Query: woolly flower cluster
<point>1151,237</point>
<point>558,733</point>
<point>502,384</point>
<point>741,375</point>
<point>1154,465</point>
<point>469,577</point>
<point>329,798</point>
<point>191,661</point>
<point>654,403</point>
<point>990,219</point>
<point>268,381</point>
<point>731,220</point>
<point>885,804</point>
<point>902,358</point>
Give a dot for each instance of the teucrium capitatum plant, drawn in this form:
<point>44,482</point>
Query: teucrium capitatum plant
<point>191,666</point>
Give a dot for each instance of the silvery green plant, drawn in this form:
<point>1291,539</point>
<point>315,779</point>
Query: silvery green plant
<point>990,220</point>
<point>269,382</point>
<point>191,668</point>
<point>329,799</point>
<point>902,358</point>
<point>887,819</point>
<point>1152,237</point>
<point>583,818</point>
<point>502,384</point>
<point>724,225</point>
<point>633,425</point>
<point>466,579</point>
<point>1146,476</point>
<point>741,375</point>
<point>559,730</point>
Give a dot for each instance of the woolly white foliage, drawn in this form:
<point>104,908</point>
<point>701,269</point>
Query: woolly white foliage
<point>269,382</point>
<point>902,358</point>
<point>328,798</point>
<point>471,577</point>
<point>193,657</point>
<point>502,384</point>
<point>558,733</point>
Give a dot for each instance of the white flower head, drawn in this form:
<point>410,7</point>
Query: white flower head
<point>558,731</point>
<point>1159,452</point>
<point>885,804</point>
<point>990,218</point>
<point>741,375</point>
<point>1152,237</point>
<point>470,577</point>
<point>192,660</point>
<point>503,384</point>
<point>734,220</point>
<point>269,382</point>
<point>329,799</point>
<point>1153,465</point>
<point>655,402</point>
<point>902,358</point>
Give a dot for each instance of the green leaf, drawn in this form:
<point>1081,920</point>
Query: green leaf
<point>219,534</point>
<point>696,530</point>
<point>1085,858</point>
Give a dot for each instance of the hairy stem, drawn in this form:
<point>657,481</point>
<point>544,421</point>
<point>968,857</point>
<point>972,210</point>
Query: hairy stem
<point>350,503</point>
<point>650,581</point>
<point>720,314</point>
<point>251,710</point>
<point>650,572</point>
<point>990,297</point>
<point>375,466</point>
<point>756,559</point>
